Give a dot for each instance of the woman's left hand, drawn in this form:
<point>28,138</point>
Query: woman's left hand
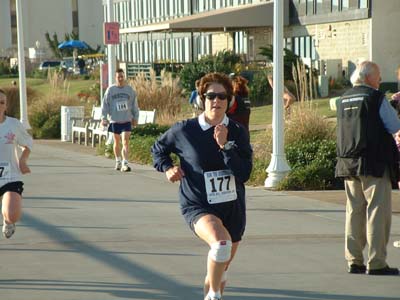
<point>221,135</point>
<point>23,167</point>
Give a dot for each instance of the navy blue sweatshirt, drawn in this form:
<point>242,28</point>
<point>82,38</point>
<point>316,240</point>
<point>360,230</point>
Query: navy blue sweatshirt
<point>198,153</point>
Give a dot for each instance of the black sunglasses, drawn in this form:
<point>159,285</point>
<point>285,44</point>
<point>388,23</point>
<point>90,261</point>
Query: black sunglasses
<point>212,96</point>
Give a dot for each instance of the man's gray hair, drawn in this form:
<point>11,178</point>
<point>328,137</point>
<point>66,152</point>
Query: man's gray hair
<point>362,71</point>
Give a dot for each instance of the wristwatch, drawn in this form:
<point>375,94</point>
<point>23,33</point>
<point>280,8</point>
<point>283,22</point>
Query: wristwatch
<point>229,145</point>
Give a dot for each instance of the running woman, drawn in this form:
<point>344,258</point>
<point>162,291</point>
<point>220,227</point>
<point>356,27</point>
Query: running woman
<point>120,105</point>
<point>12,136</point>
<point>215,161</point>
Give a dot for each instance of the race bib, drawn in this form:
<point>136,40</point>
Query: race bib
<point>5,170</point>
<point>122,105</point>
<point>220,186</point>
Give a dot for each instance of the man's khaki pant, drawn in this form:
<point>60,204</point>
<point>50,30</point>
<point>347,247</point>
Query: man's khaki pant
<point>368,219</point>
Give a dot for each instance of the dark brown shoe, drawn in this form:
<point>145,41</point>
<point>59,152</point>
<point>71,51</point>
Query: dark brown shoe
<point>357,269</point>
<point>384,271</point>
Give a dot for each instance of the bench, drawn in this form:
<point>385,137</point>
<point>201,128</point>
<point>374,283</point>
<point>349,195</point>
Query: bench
<point>147,116</point>
<point>82,127</point>
<point>98,132</point>
<point>80,130</point>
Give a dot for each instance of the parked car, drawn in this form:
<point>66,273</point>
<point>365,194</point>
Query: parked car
<point>44,65</point>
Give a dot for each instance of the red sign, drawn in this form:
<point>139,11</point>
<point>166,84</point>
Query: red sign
<point>111,33</point>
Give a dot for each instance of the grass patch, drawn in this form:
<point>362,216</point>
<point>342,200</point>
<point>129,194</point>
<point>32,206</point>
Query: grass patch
<point>43,87</point>
<point>263,114</point>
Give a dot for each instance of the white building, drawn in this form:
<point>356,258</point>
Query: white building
<point>53,16</point>
<point>332,34</point>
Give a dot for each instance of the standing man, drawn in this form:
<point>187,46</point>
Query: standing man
<point>120,105</point>
<point>368,161</point>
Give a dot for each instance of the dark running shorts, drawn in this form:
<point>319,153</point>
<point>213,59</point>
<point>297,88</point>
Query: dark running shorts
<point>16,186</point>
<point>233,220</point>
<point>118,128</point>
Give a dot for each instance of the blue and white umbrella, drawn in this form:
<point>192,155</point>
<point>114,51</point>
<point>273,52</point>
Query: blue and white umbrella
<point>73,44</point>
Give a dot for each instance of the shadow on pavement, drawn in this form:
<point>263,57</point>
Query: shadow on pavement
<point>160,287</point>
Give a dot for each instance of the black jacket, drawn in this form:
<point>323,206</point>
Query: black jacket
<point>364,147</point>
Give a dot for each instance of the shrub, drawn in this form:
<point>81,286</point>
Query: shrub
<point>311,177</point>
<point>140,149</point>
<point>258,174</point>
<point>149,130</point>
<point>260,90</point>
<point>165,96</point>
<point>261,142</point>
<point>305,124</point>
<point>312,163</point>
<point>90,95</point>
<point>45,114</point>
<point>141,140</point>
<point>4,68</point>
<point>224,62</point>
<point>45,126</point>
<point>289,59</point>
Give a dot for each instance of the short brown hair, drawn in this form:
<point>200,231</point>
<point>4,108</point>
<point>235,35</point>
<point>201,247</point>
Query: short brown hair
<point>215,77</point>
<point>240,88</point>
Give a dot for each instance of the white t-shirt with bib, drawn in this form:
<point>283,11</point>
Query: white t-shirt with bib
<point>12,136</point>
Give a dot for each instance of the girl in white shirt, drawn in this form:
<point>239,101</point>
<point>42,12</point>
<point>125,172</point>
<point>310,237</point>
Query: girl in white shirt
<point>12,136</point>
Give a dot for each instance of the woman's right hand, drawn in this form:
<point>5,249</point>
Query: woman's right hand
<point>174,174</point>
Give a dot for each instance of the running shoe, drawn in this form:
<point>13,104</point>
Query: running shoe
<point>8,230</point>
<point>118,165</point>
<point>125,168</point>
<point>212,298</point>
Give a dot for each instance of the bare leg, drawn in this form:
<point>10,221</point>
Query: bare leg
<point>11,207</point>
<point>210,229</point>
<point>125,145</point>
<point>223,283</point>
<point>117,147</point>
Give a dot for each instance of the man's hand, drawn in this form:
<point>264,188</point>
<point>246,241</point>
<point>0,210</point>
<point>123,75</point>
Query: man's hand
<point>134,122</point>
<point>104,123</point>
<point>221,135</point>
<point>174,174</point>
<point>396,96</point>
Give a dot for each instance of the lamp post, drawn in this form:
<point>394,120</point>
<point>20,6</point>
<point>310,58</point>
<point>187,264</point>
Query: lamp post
<point>21,68</point>
<point>278,167</point>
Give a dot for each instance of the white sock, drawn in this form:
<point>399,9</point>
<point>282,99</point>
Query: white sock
<point>125,162</point>
<point>118,159</point>
<point>213,294</point>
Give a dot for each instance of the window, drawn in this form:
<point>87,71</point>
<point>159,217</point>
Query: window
<point>345,4</point>
<point>302,47</point>
<point>363,4</point>
<point>335,5</point>
<point>319,7</point>
<point>301,8</point>
<point>288,43</point>
<point>296,48</point>
<point>310,7</point>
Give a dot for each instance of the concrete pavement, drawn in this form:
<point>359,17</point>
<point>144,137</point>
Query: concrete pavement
<point>89,232</point>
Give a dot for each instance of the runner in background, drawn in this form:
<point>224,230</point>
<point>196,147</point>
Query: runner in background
<point>12,136</point>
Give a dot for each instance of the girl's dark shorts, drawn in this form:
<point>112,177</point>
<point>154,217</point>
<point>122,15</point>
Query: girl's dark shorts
<point>15,186</point>
<point>118,128</point>
<point>233,218</point>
